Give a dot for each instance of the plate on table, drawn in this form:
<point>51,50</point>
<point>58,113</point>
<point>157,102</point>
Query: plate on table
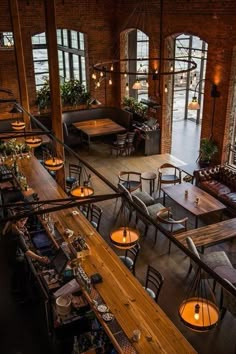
<point>107,316</point>
<point>102,308</point>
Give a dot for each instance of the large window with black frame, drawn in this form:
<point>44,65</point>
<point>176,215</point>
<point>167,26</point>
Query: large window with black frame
<point>71,57</point>
<point>190,48</point>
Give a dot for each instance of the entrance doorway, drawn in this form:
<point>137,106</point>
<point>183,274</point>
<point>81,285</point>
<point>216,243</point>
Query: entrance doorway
<point>186,123</point>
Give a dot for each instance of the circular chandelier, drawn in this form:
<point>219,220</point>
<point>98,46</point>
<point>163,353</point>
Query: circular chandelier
<point>107,67</point>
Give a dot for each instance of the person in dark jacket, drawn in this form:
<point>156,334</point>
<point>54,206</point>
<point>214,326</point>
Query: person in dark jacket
<point>15,239</point>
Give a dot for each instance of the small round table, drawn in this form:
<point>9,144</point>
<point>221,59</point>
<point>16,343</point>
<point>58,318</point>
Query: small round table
<point>149,176</point>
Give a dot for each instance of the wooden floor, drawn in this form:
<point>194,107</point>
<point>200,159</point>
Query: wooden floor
<point>174,266</point>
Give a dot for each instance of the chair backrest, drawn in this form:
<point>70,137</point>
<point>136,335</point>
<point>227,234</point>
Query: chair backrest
<point>154,281</point>
<point>168,166</point>
<point>130,137</point>
<point>133,253</point>
<point>121,139</point>
<point>75,171</point>
<point>85,208</point>
<point>229,300</point>
<point>193,249</point>
<point>129,175</point>
<point>140,203</point>
<point>95,215</point>
<point>122,188</point>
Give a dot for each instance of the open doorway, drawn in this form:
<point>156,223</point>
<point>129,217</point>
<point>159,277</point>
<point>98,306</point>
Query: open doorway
<point>186,123</point>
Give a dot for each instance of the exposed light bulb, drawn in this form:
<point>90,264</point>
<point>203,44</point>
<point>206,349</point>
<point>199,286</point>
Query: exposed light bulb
<point>166,89</point>
<point>101,74</point>
<point>124,236</point>
<point>112,67</point>
<point>171,67</point>
<point>98,84</point>
<point>127,87</point>
<point>196,312</point>
<point>125,74</point>
<point>110,81</point>
<point>94,76</point>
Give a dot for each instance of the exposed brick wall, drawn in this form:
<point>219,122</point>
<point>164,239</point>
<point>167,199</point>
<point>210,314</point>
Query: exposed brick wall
<point>102,21</point>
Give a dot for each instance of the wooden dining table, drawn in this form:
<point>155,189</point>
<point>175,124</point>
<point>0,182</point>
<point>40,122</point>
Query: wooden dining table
<point>98,127</point>
<point>193,199</point>
<point>131,305</point>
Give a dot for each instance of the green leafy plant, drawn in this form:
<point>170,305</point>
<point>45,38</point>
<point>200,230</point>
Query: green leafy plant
<point>44,96</point>
<point>73,92</point>
<point>208,149</point>
<point>132,105</point>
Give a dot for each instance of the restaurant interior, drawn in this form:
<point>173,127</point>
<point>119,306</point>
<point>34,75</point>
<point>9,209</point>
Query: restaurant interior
<point>117,176</point>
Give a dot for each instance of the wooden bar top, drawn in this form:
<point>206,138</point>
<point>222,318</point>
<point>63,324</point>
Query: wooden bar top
<point>128,301</point>
<point>211,234</point>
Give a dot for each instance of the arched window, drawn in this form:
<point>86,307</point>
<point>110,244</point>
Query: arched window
<point>71,57</point>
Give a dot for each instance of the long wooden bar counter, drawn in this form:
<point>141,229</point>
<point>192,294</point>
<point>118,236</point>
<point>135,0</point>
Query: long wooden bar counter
<point>132,307</point>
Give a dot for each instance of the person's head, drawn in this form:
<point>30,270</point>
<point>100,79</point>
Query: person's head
<point>21,222</point>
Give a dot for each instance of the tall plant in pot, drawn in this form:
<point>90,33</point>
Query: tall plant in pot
<point>73,93</point>
<point>208,149</point>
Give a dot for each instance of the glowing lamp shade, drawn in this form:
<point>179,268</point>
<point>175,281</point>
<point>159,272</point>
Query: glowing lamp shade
<point>82,191</point>
<point>33,141</point>
<point>53,164</point>
<point>194,105</point>
<point>137,85</point>
<point>124,237</point>
<point>199,314</point>
<point>18,125</point>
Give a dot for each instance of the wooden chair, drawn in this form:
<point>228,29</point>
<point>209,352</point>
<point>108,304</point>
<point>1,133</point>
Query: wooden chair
<point>130,143</point>
<point>130,180</point>
<point>168,174</point>
<point>74,175</point>
<point>154,282</point>
<point>120,144</point>
<point>130,257</point>
<point>94,215</point>
<point>150,210</point>
<point>212,259</point>
<point>168,225</point>
<point>144,196</point>
<point>227,301</point>
<point>85,208</point>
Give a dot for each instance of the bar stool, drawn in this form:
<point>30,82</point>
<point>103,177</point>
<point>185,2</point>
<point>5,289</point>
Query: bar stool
<point>150,177</point>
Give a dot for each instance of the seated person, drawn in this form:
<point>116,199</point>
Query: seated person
<point>14,234</point>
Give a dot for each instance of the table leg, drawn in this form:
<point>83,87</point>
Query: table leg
<point>196,222</point>
<point>164,198</point>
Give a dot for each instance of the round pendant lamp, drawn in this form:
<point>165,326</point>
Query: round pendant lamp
<point>82,191</point>
<point>124,237</point>
<point>33,141</point>
<point>199,314</point>
<point>53,163</point>
<point>18,125</point>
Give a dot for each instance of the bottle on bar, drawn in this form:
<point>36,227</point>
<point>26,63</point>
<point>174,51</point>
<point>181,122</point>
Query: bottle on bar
<point>75,346</point>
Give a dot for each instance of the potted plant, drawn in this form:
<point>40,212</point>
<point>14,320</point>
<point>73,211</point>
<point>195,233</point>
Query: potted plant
<point>73,93</point>
<point>43,99</point>
<point>207,149</point>
<point>134,106</point>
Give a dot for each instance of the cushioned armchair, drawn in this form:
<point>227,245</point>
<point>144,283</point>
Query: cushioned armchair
<point>168,225</point>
